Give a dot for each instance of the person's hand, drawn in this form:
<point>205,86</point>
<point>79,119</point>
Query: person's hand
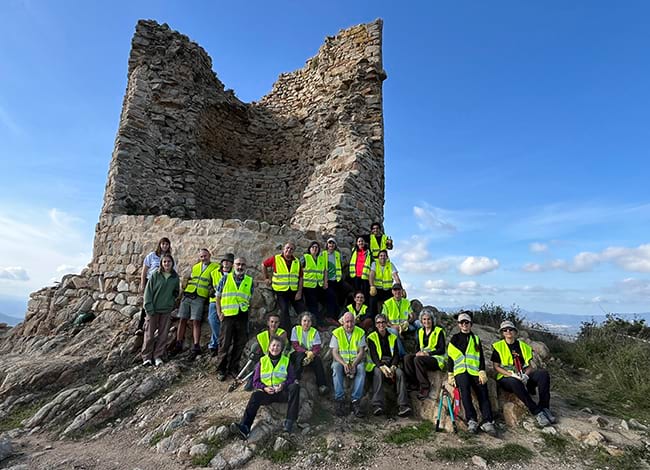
<point>346,369</point>
<point>309,356</point>
<point>393,371</point>
<point>421,354</point>
<point>325,284</point>
<point>514,375</point>
<point>373,291</point>
<point>482,377</point>
<point>385,370</point>
<point>404,326</point>
<point>451,380</point>
<point>269,390</point>
<point>221,316</point>
<point>524,378</point>
<point>298,295</point>
<point>278,388</point>
<point>267,282</point>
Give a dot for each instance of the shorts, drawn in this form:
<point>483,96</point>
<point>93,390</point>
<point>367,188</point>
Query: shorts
<point>192,308</point>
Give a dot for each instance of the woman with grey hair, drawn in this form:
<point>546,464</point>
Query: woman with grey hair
<point>430,354</point>
<point>306,343</point>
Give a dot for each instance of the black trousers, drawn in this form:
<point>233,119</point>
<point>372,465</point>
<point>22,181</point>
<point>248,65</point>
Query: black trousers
<point>316,365</point>
<point>312,297</point>
<point>362,285</point>
<point>332,294</point>
<point>416,368</point>
<point>290,394</point>
<point>466,383</point>
<point>382,296</point>
<point>285,300</point>
<point>539,379</point>
<point>233,333</point>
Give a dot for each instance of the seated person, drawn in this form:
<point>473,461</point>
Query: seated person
<point>273,381</point>
<point>383,274</point>
<point>400,317</point>
<point>306,344</point>
<point>348,345</point>
<point>273,325</point>
<point>359,309</point>
<point>382,361</point>
<point>511,358</point>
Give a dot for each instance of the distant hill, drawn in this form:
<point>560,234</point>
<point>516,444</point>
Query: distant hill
<point>9,320</point>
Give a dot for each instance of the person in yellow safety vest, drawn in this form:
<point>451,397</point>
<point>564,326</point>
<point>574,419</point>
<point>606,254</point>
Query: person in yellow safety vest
<point>274,382</point>
<point>400,316</point>
<point>431,354</point>
<point>287,282</point>
<point>359,270</point>
<point>272,329</point>
<point>383,361</point>
<point>466,370</point>
<point>314,269</point>
<point>359,309</point>
<point>383,274</point>
<point>378,240</point>
<point>348,346</point>
<point>213,319</point>
<point>333,280</point>
<point>233,298</point>
<point>194,299</point>
<point>511,358</point>
<point>306,344</point>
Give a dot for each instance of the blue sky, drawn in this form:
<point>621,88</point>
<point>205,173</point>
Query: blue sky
<point>517,141</point>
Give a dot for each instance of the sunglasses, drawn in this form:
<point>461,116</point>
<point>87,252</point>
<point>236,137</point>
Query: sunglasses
<point>509,329</point>
<point>464,322</point>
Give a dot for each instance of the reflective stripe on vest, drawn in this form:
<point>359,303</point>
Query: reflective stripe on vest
<point>468,362</point>
<point>348,349</point>
<point>311,334</point>
<point>376,248</point>
<point>312,274</point>
<point>431,346</point>
<point>507,361</point>
<point>233,298</point>
<point>200,280</point>
<point>337,260</point>
<point>216,276</point>
<point>383,276</point>
<point>263,339</point>
<point>395,312</point>
<point>374,337</point>
<point>283,278</point>
<point>356,314</point>
<point>270,375</point>
<point>365,274</point>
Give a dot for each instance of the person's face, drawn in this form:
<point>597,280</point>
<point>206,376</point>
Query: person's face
<point>240,266</point>
<point>380,324</point>
<point>314,249</point>
<point>275,348</point>
<point>359,298</point>
<point>204,256</point>
<point>509,333</point>
<point>305,323</point>
<point>348,323</point>
<point>382,258</point>
<point>361,243</point>
<point>331,246</point>
<point>397,293</point>
<point>164,246</point>
<point>167,264</point>
<point>288,250</point>
<point>465,326</point>
<point>273,323</point>
<point>226,266</point>
<point>426,321</point>
<point>375,230</point>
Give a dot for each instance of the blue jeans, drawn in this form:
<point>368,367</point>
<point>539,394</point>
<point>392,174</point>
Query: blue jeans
<point>400,345</point>
<point>215,326</point>
<point>338,377</point>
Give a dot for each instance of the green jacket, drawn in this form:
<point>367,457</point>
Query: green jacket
<point>161,293</point>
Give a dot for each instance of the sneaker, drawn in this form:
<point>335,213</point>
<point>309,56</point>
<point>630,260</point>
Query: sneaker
<point>323,389</point>
<point>288,426</point>
<point>221,376</point>
<point>339,408</point>
<point>488,427</point>
<point>472,426</point>
<point>159,362</point>
<point>404,411</point>
<point>356,409</point>
<point>378,411</point>
<point>542,420</point>
<point>552,419</point>
<point>239,430</point>
<point>423,394</point>
<point>147,363</point>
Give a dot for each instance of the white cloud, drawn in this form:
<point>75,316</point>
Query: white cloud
<point>533,268</point>
<point>14,274</point>
<point>433,218</point>
<point>475,265</point>
<point>416,258</point>
<point>538,247</point>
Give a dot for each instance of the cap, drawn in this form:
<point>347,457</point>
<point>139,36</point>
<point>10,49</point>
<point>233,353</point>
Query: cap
<point>228,257</point>
<point>331,239</point>
<point>507,324</point>
<point>464,316</point>
<point>396,286</point>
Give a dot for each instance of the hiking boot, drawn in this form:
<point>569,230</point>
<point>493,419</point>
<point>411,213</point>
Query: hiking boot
<point>339,408</point>
<point>472,426</point>
<point>489,428</point>
<point>159,362</point>
<point>221,376</point>
<point>356,409</point>
<point>323,389</point>
<point>288,426</point>
<point>552,419</point>
<point>404,411</point>
<point>542,420</point>
<point>195,352</point>
<point>378,411</point>
<point>423,394</point>
<point>239,430</point>
<point>147,363</point>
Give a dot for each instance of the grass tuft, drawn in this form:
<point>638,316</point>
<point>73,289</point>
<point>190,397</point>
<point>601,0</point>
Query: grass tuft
<point>555,442</point>
<point>17,416</point>
<point>505,453</point>
<point>421,431</point>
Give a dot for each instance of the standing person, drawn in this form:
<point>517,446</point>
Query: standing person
<point>378,240</point>
<point>466,369</point>
<point>233,297</point>
<point>333,276</point>
<point>149,266</point>
<point>306,343</point>
<point>213,319</point>
<point>160,294</point>
<point>287,282</point>
<point>348,346</point>
<point>383,274</point>
<point>194,298</point>
<point>314,274</point>
<point>400,316</point>
<point>360,261</point>
<point>359,309</point>
<point>515,374</point>
<point>274,382</point>
<point>382,361</point>
<point>431,353</point>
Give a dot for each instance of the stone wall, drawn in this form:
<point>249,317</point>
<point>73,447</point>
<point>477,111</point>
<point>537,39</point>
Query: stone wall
<point>309,154</point>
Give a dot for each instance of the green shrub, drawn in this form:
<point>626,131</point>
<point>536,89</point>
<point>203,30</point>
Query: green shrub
<point>492,315</point>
